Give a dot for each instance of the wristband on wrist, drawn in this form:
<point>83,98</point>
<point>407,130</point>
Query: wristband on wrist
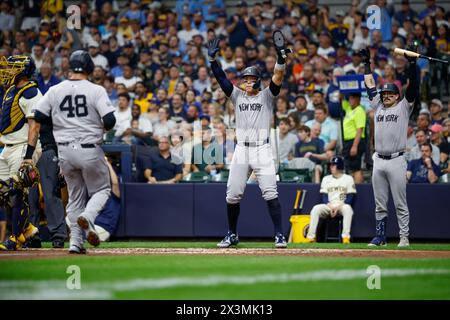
<point>280,66</point>
<point>29,152</point>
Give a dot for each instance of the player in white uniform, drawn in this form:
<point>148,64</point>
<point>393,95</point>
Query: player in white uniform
<point>80,111</point>
<point>254,109</point>
<point>19,96</point>
<point>338,190</point>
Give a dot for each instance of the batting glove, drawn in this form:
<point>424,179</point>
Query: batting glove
<point>213,48</point>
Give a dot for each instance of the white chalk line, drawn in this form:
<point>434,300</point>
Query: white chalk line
<point>56,289</point>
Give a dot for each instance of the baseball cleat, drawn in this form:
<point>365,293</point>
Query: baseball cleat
<point>404,242</point>
<point>58,244</point>
<point>88,227</point>
<point>345,240</point>
<point>378,241</point>
<point>30,231</point>
<point>230,239</point>
<point>280,241</point>
<point>75,249</point>
<point>13,243</point>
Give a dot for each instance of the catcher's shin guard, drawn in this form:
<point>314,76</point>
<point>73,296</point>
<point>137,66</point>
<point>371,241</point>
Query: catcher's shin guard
<point>20,211</point>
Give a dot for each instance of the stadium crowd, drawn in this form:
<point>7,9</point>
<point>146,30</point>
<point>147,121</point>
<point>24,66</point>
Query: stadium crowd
<point>153,63</point>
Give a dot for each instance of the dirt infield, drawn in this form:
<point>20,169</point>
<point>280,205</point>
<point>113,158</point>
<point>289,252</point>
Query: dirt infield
<point>98,252</point>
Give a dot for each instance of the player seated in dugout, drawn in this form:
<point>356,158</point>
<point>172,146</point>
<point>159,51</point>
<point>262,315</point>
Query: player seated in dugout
<point>424,169</point>
<point>308,153</point>
<point>208,156</point>
<point>107,220</point>
<point>337,191</point>
<point>160,167</point>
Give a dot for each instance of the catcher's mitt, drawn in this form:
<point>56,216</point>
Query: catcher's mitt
<point>28,175</point>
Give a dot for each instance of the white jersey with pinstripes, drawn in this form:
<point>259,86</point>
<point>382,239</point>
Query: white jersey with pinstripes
<point>253,114</point>
<point>76,108</point>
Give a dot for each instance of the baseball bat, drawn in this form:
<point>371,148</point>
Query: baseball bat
<point>299,192</point>
<point>413,54</point>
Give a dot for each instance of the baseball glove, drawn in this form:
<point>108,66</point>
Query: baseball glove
<point>28,175</point>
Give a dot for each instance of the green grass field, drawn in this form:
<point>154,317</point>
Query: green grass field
<point>208,277</point>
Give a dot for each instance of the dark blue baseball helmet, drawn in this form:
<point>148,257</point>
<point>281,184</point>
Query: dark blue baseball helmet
<point>80,61</point>
<point>338,161</point>
<point>389,87</point>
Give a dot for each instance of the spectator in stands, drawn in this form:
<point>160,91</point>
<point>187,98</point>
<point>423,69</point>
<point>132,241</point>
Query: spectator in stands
<point>160,168</point>
<point>337,191</point>
<point>207,156</point>
<point>241,26</point>
<point>286,141</point>
<point>436,111</point>
<point>354,64</point>
<point>140,129</point>
<point>429,10</point>
<point>389,77</point>
<point>300,111</point>
<point>7,18</point>
<point>424,120</point>
<point>177,108</point>
<point>361,41</point>
<point>354,127</point>
<point>329,130</point>
<point>98,59</point>
<point>164,125</point>
<point>128,78</point>
<point>410,137</point>
<point>203,82</point>
<point>405,12</point>
<point>441,143</point>
<point>424,169</point>
<point>421,138</point>
<point>45,78</point>
<point>312,152</point>
<point>122,114</point>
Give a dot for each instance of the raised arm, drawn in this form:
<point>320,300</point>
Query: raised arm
<point>411,90</point>
<point>369,81</point>
<point>225,84</point>
<point>280,66</point>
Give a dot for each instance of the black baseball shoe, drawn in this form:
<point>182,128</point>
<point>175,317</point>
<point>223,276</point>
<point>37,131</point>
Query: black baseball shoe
<point>58,244</point>
<point>230,239</point>
<point>280,241</point>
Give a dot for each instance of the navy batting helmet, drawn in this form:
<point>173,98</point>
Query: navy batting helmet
<point>251,71</point>
<point>80,61</point>
<point>389,87</point>
<point>254,72</point>
<point>338,161</point>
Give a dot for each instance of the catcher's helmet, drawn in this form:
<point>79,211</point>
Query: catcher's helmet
<point>80,61</point>
<point>15,68</point>
<point>389,87</point>
<point>338,161</point>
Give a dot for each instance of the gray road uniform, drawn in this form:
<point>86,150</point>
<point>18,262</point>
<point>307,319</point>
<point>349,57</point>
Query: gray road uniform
<point>389,163</point>
<point>76,108</point>
<point>253,116</point>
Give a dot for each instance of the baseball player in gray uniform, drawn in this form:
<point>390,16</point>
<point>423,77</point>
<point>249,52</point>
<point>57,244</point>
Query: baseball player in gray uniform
<point>80,111</point>
<point>389,163</point>
<point>254,108</point>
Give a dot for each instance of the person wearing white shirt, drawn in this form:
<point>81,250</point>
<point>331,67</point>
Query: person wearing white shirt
<point>123,115</point>
<point>337,190</point>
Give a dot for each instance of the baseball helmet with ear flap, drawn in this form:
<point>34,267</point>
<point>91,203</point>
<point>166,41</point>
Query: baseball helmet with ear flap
<point>338,161</point>
<point>254,72</point>
<point>81,61</point>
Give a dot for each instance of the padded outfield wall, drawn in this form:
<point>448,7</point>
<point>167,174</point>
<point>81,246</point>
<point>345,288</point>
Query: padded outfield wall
<point>199,210</point>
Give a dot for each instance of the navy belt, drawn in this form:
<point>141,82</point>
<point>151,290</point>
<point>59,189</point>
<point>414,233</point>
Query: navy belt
<point>390,156</point>
<point>83,145</point>
<point>255,144</point>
